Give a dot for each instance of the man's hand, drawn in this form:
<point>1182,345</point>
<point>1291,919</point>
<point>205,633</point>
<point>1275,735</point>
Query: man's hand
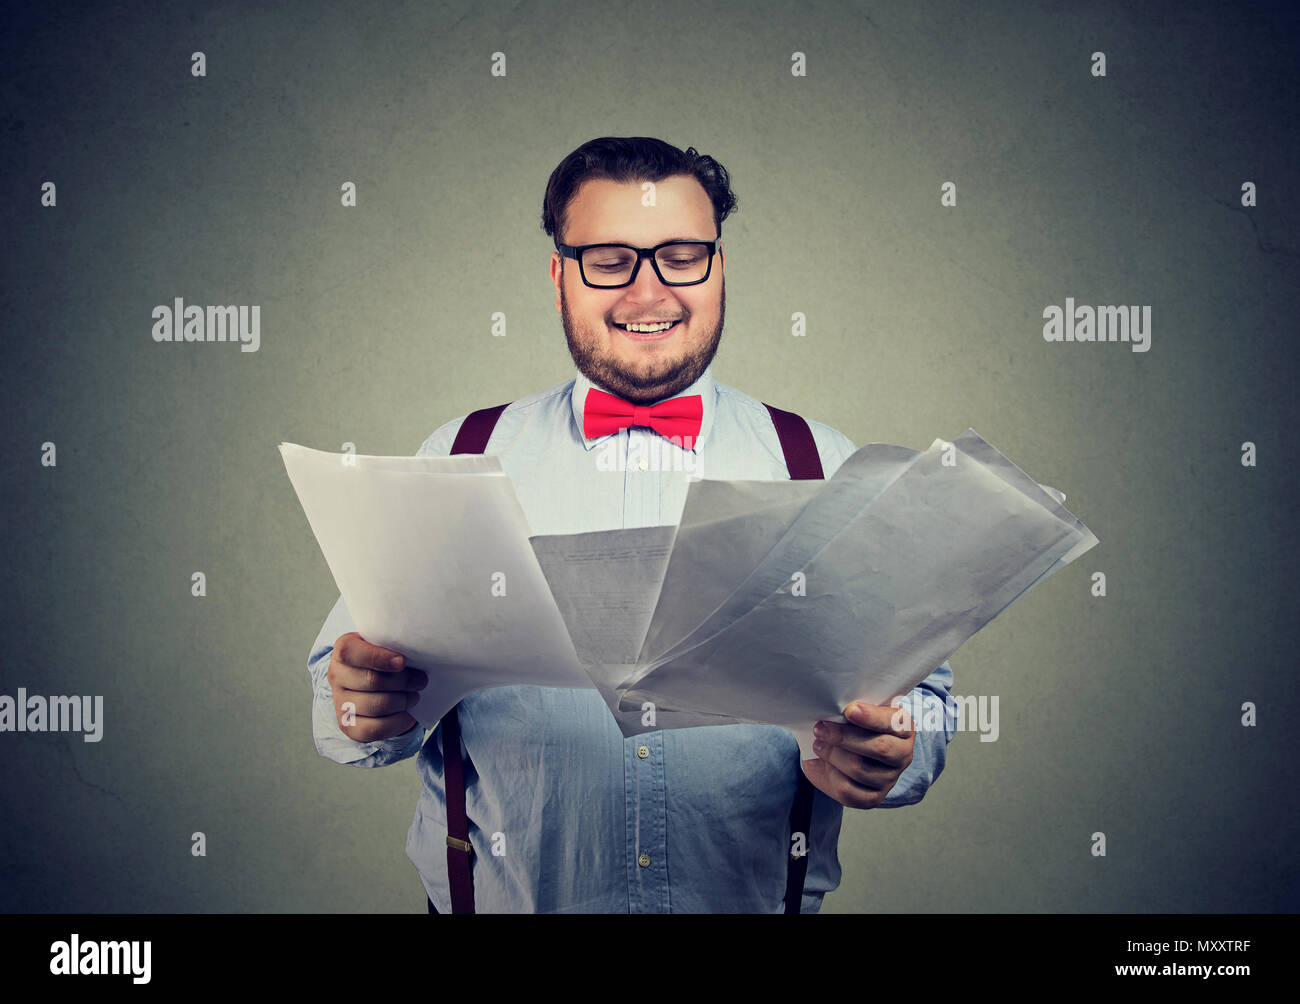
<point>372,689</point>
<point>860,763</point>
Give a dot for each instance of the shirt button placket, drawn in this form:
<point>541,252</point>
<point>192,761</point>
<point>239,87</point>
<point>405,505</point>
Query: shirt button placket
<point>651,813</point>
<point>647,809</point>
<point>632,475</point>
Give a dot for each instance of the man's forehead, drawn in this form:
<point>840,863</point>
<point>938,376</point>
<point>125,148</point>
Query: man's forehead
<point>605,210</point>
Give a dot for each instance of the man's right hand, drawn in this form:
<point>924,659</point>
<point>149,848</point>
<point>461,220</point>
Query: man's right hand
<point>372,689</point>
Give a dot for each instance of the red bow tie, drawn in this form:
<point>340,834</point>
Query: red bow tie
<point>677,418</point>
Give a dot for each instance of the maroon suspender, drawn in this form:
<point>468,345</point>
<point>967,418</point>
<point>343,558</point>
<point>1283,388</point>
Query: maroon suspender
<point>804,463</point>
<point>476,430</point>
<point>459,849</point>
<point>472,437</point>
<point>797,443</point>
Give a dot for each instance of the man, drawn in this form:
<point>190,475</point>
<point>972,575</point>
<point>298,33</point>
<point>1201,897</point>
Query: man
<point>565,814</point>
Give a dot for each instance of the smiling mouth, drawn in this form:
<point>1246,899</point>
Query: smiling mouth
<point>645,330</point>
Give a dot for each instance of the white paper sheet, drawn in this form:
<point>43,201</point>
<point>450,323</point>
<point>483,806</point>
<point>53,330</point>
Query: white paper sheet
<point>421,548</point>
<point>926,565</point>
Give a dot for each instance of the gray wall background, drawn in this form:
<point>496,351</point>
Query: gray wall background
<point>1119,714</point>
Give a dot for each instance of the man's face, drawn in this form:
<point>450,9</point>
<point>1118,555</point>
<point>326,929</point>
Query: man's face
<point>640,368</point>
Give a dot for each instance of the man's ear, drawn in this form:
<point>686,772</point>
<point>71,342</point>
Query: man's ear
<point>557,277</point>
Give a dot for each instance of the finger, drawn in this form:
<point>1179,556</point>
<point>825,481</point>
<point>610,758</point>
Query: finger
<point>829,779</point>
<point>367,730</point>
<point>889,750</point>
<point>354,650</point>
<point>354,678</point>
<point>868,773</point>
<point>879,718</point>
<point>375,704</point>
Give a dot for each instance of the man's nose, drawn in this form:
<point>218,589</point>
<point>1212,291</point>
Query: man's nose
<point>646,280</point>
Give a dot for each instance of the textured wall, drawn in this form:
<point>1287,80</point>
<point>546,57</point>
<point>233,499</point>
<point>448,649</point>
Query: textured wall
<point>1120,714</point>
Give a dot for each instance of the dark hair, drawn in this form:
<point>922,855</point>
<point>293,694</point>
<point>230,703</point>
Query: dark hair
<point>632,158</point>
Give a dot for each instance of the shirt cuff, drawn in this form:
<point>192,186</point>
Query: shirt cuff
<point>333,744</point>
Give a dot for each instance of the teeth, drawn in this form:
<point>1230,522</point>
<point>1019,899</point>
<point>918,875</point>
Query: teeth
<point>650,328</point>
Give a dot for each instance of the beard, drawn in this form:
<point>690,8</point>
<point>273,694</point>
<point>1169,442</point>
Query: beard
<point>662,380</point>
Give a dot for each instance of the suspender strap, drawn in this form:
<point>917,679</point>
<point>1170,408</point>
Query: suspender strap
<point>459,849</point>
<point>800,822</point>
<point>804,463</point>
<point>471,437</point>
<point>798,445</point>
<point>476,430</point>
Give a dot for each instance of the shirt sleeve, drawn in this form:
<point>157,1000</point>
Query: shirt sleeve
<point>331,741</point>
<point>928,704</point>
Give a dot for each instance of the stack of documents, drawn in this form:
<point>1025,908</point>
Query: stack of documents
<point>770,602</point>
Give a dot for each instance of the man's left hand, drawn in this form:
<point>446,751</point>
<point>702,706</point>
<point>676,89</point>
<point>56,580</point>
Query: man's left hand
<point>860,763</point>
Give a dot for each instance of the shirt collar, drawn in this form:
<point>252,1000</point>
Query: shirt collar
<point>703,386</point>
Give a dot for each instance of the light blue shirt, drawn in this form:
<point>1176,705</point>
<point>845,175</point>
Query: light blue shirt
<point>701,823</point>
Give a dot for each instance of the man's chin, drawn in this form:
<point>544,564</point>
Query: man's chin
<point>649,373</point>
<point>643,372</point>
<point>639,381</point>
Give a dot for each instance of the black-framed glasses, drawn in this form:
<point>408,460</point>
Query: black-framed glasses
<point>613,266</point>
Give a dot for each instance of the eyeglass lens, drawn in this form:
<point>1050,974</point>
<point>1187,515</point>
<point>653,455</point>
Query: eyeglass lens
<point>678,263</point>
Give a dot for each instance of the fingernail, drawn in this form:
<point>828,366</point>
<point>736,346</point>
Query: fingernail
<point>819,747</point>
<point>395,662</point>
<point>423,680</point>
<point>819,730</point>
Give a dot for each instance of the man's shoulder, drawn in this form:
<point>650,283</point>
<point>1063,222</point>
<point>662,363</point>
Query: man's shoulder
<point>832,445</point>
<point>439,443</point>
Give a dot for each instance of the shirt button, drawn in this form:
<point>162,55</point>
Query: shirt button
<point>644,860</point>
<point>643,751</point>
<point>641,465</point>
